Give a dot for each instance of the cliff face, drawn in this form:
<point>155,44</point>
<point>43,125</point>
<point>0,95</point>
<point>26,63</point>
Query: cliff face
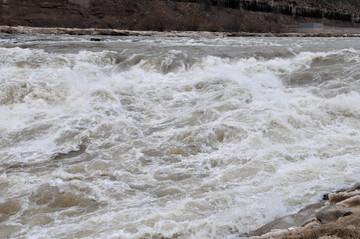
<point>254,16</point>
<point>64,13</point>
<point>31,12</point>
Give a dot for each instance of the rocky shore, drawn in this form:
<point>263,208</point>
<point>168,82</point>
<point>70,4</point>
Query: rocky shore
<point>117,32</point>
<point>336,216</point>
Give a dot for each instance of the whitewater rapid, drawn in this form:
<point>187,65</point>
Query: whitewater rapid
<point>167,137</point>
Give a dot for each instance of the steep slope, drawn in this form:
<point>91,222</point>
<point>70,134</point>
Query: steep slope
<point>253,16</point>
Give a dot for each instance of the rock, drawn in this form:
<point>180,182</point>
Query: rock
<point>331,214</point>
<point>342,204</point>
<point>353,188</point>
<point>95,39</point>
<point>302,218</point>
<point>338,218</point>
<point>341,196</point>
<point>117,32</point>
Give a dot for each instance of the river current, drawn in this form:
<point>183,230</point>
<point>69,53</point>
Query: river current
<point>172,137</point>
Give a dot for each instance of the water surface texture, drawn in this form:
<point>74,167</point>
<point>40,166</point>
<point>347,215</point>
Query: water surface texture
<point>151,137</point>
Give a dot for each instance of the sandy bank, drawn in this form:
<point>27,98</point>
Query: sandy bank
<point>116,32</point>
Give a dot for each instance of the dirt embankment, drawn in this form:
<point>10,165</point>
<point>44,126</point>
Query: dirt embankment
<point>158,15</point>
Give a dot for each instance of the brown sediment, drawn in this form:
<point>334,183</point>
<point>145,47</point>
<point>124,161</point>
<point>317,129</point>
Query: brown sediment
<point>117,32</point>
<point>337,216</point>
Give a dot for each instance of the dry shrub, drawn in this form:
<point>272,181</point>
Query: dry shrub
<point>236,21</point>
<point>219,5</point>
<point>206,4</point>
<point>212,27</point>
<point>154,21</point>
<point>192,22</point>
<point>253,26</point>
<point>272,17</point>
<point>273,23</point>
<point>176,8</point>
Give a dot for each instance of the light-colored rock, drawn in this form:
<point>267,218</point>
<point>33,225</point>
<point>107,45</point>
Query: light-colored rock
<point>302,218</point>
<point>341,196</point>
<point>117,32</point>
<point>338,219</point>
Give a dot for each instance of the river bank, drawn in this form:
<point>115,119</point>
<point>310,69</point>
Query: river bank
<point>336,216</point>
<point>159,15</point>
<point>117,32</point>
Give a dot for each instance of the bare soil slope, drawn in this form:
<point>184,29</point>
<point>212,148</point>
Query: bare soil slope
<point>162,15</point>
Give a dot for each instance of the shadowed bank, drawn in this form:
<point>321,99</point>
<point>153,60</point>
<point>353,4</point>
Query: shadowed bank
<point>163,15</point>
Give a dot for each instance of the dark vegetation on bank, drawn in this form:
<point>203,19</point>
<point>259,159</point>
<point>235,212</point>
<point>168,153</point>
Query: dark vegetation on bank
<point>181,15</point>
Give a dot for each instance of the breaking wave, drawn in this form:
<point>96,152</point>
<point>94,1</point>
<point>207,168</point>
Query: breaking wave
<point>187,139</point>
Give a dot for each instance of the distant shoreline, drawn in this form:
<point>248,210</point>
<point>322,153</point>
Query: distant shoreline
<point>117,32</point>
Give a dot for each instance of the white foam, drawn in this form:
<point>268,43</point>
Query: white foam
<point>174,142</point>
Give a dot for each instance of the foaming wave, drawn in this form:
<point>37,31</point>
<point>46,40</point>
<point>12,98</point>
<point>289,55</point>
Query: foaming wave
<point>166,143</point>
<point>167,62</point>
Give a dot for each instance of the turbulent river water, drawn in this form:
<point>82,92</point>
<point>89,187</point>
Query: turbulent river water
<point>168,137</point>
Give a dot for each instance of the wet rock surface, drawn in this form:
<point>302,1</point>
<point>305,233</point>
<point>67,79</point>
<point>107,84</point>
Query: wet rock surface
<point>337,217</point>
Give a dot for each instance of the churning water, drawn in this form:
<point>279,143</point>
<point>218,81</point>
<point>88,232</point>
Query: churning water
<point>138,137</point>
